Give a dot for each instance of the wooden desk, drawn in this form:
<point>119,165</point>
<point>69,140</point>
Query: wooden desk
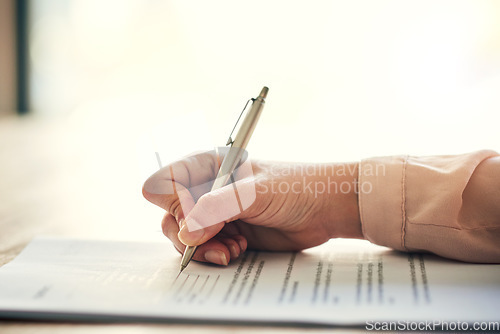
<point>57,178</point>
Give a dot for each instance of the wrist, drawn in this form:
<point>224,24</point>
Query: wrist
<point>340,204</point>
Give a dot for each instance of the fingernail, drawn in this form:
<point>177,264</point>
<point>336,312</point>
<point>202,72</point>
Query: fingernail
<point>216,257</point>
<point>234,251</point>
<point>190,237</point>
<point>243,244</point>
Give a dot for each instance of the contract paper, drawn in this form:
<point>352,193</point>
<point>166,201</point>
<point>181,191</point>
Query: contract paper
<point>341,282</point>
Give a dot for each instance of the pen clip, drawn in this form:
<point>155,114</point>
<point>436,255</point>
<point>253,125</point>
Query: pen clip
<point>230,139</point>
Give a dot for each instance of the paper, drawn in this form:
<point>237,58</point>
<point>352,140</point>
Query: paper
<point>341,282</point>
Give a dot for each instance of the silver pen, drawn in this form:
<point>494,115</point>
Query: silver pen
<point>233,157</point>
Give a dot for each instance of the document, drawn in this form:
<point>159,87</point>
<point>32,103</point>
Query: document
<point>341,282</point>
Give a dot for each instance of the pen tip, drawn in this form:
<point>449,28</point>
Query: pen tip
<point>181,269</point>
<point>263,92</point>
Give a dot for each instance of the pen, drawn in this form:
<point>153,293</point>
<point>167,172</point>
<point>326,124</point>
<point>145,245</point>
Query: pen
<point>233,157</point>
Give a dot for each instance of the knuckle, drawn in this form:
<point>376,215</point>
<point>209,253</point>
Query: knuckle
<point>174,206</point>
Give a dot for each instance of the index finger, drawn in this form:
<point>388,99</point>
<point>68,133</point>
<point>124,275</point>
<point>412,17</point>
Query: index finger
<point>177,186</point>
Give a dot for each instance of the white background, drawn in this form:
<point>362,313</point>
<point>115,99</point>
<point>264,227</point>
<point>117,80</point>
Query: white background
<point>347,79</point>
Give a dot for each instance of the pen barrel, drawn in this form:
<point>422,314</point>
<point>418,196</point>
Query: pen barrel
<point>237,149</point>
<point>249,123</point>
<point>228,166</point>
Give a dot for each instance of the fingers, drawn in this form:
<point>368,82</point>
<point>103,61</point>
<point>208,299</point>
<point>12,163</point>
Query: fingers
<point>226,204</point>
<point>198,236</point>
<point>177,186</point>
<point>219,250</point>
<point>170,230</point>
<point>236,245</point>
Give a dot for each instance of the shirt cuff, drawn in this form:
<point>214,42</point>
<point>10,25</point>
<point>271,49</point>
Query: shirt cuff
<point>413,203</point>
<point>381,199</point>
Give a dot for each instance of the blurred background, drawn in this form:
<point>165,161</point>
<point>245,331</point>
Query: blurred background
<point>91,89</point>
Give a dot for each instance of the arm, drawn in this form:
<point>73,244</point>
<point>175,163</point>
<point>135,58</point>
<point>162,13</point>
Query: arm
<point>281,207</point>
<point>447,205</point>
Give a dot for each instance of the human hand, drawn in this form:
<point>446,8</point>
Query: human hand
<point>296,206</point>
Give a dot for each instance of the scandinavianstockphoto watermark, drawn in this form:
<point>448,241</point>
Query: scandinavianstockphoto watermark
<point>249,180</point>
<point>316,179</point>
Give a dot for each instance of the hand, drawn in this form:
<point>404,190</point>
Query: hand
<point>296,206</point>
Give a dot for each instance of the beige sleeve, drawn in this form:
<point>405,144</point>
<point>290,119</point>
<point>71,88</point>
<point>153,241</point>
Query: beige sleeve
<point>413,204</point>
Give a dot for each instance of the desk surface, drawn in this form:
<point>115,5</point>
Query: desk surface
<point>82,181</point>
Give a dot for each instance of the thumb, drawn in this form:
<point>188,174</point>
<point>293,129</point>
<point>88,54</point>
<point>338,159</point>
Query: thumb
<point>214,209</point>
